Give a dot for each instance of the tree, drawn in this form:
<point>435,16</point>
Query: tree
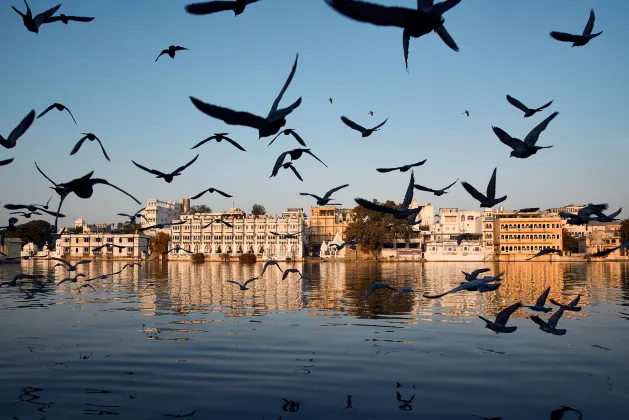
<point>624,230</point>
<point>372,229</point>
<point>258,210</point>
<point>78,229</point>
<point>200,208</point>
<point>159,243</point>
<point>570,243</point>
<point>129,227</point>
<point>36,231</point>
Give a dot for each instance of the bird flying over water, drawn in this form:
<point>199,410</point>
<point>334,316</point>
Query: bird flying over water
<point>404,290</point>
<point>467,236</point>
<point>33,208</point>
<point>221,221</point>
<point>292,270</point>
<point>539,304</point>
<point>571,306</point>
<point>322,201</point>
<point>206,8</point>
<point>474,274</point>
<point>69,266</point>
<point>66,19</point>
<point>608,251</point>
<point>167,177</point>
<point>33,23</point>
<point>578,40</point>
<point>402,168</point>
<point>171,51</point>
<point>527,210</point>
<point>13,283</point>
<point>528,112</point>
<point>415,22</point>
<point>438,193</point>
<point>544,252</point>
<point>550,326</point>
<point>272,124</point>
<point>210,190</point>
<point>366,132</point>
<point>58,107</point>
<point>500,325</point>
<point>584,216</point>
<point>403,213</point>
<point>526,148</point>
<point>474,285</point>
<point>375,286</point>
<point>242,286</point>
<point>11,141</point>
<point>351,244</point>
<point>331,101</point>
<point>268,263</point>
<point>90,137</point>
<point>219,137</point>
<point>6,161</point>
<point>108,245</point>
<point>292,133</point>
<point>490,199</point>
<point>71,279</point>
<point>177,249</point>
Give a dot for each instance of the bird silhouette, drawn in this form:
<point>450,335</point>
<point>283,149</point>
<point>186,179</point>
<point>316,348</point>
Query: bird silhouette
<point>550,326</point>
<point>402,168</point>
<point>294,155</point>
<point>219,137</point>
<point>11,141</point>
<point>467,113</point>
<point>331,101</point>
<point>500,325</point>
<point>366,132</point>
<point>526,148</point>
<point>206,8</point>
<point>490,199</point>
<point>327,197</point>
<point>528,112</point>
<point>66,19</point>
<point>171,51</point>
<point>438,193</point>
<point>578,40</point>
<point>292,132</point>
<point>210,190</point>
<point>539,304</point>
<point>90,137</point>
<point>571,306</point>
<point>58,107</point>
<point>403,212</point>
<point>135,215</point>
<point>242,286</point>
<point>167,177</point>
<point>33,24</point>
<point>375,286</point>
<point>544,251</point>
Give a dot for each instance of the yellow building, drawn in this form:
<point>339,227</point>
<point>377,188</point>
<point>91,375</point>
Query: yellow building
<point>527,233</point>
<point>325,222</point>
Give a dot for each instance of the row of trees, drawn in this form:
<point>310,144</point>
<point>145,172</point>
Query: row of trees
<point>256,210</point>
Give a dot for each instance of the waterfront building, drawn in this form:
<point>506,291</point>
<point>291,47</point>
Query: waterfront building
<point>527,233</point>
<point>570,208</point>
<point>82,245</point>
<point>157,211</point>
<point>12,248</point>
<point>440,242</point>
<point>599,237</point>
<point>248,234</point>
<point>324,224</point>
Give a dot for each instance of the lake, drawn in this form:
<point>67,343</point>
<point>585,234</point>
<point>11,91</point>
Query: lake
<point>194,345</point>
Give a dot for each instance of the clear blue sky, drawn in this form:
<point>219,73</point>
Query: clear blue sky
<point>105,72</point>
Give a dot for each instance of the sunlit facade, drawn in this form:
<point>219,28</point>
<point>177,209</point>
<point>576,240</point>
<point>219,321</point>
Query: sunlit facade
<point>527,233</point>
<point>82,245</point>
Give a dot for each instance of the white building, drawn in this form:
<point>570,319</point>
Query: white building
<point>454,221</point>
<point>12,249</point>
<point>248,234</point>
<point>82,245</point>
<point>157,212</point>
<point>426,214</point>
<point>440,243</point>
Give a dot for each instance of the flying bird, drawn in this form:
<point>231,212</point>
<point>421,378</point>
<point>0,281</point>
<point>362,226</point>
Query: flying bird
<point>167,177</point>
<point>474,285</point>
<point>108,245</point>
<point>219,137</point>
<point>292,270</point>
<point>500,325</point>
<point>69,266</point>
<point>13,283</point>
<point>404,290</point>
<point>526,148</point>
<point>294,155</point>
<point>527,210</point>
<point>25,214</point>
<point>58,107</point>
<point>606,252</point>
<point>210,190</point>
<point>571,306</point>
<point>375,286</point>
<point>490,199</point>
<point>438,193</point>
<point>33,208</point>
<point>550,326</point>
<point>6,161</point>
<point>370,113</point>
<point>366,132</point>
<point>322,201</point>
<point>330,100</point>
<point>242,286</point>
<point>176,249</point>
<point>33,24</point>
<point>288,165</point>
<point>467,236</point>
<point>71,279</point>
<point>135,215</point>
<point>351,244</point>
<point>268,263</point>
<point>403,213</point>
<point>558,413</point>
<point>474,274</point>
<point>544,252</point>
<point>606,219</point>
<point>206,8</point>
<point>584,216</point>
<point>539,304</point>
<point>285,235</point>
<point>528,112</point>
<point>578,40</point>
<point>221,221</point>
<point>292,133</point>
<point>18,131</point>
<point>426,18</point>
<point>266,127</point>
<point>90,137</point>
<point>66,19</point>
<point>171,51</point>
<point>467,113</point>
<point>161,225</point>
<point>404,168</point>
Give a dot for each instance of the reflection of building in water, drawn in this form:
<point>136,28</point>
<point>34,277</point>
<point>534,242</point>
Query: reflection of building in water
<point>527,233</point>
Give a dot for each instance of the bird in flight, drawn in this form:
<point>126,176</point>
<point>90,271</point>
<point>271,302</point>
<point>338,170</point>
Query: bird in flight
<point>210,190</point>
<point>485,201</point>
<point>403,213</point>
<point>288,165</point>
<point>583,216</point>
<point>528,112</point>
<point>242,286</point>
<point>268,263</point>
<point>331,101</point>
<point>33,208</point>
<point>500,325</point>
<point>294,155</point>
<point>526,148</point>
<point>71,279</point>
<point>206,8</point>
<point>219,137</point>
<point>69,266</point>
<point>18,131</point>
<point>351,244</point>
<point>474,274</point>
<point>58,107</point>
<point>176,249</point>
<point>322,201</point>
<point>291,132</point>
<point>467,236</point>
<point>167,177</point>
<point>375,286</point>
<point>550,326</point>
<point>25,214</point>
<point>90,137</point>
<point>571,306</point>
<point>578,40</point>
<point>467,113</point>
<point>135,215</point>
<point>266,127</point>
<point>474,285</point>
<point>161,225</point>
<point>229,225</point>
<point>402,168</point>
<point>292,270</point>
<point>426,18</point>
<point>171,51</point>
<point>438,193</point>
<point>539,304</point>
<point>366,132</point>
<point>544,252</point>
<point>6,161</point>
<point>108,245</point>
<point>527,210</point>
<point>404,290</point>
<point>33,23</point>
<point>66,19</point>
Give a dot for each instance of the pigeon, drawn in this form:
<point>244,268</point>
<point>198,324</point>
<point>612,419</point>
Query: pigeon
<point>331,101</point>
<point>415,22</point>
<point>485,201</point>
<point>438,193</point>
<point>292,133</point>
<point>404,290</point>
<point>404,168</point>
<point>478,285</point>
<point>33,24</point>
<point>33,208</point>
<point>135,215</point>
<point>238,6</point>
<point>107,245</point>
<point>171,51</point>
<point>286,166</point>
<point>219,137</point>
<point>268,263</point>
<point>403,213</point>
<point>578,40</point>
<point>210,190</point>
<point>161,225</point>
<point>242,286</point>
<point>69,266</point>
<point>18,131</point>
<point>292,270</point>
<point>375,286</point>
<point>528,112</point>
<point>25,214</point>
<point>526,148</point>
<point>167,177</point>
<point>90,137</point>
<point>606,252</point>
<point>71,279</point>
<point>176,249</point>
<point>66,19</point>
<point>544,252</point>
<point>571,306</point>
<point>364,131</point>
<point>58,107</point>
<point>527,210</point>
<point>539,304</point>
<point>551,326</point>
<point>294,155</point>
<point>229,225</point>
<point>130,265</point>
<point>370,113</point>
<point>266,127</point>
<point>13,283</point>
<point>351,244</point>
<point>78,290</point>
<point>500,325</point>
<point>584,216</point>
<point>606,219</point>
<point>467,113</point>
<point>467,236</point>
<point>474,274</point>
<point>558,413</point>
<point>323,201</point>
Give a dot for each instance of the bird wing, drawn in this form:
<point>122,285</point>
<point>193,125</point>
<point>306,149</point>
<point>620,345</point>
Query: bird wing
<point>283,112</point>
<point>313,155</point>
<point>45,176</point>
<point>312,195</point>
<point>151,171</point>
<point>178,48</point>
<point>286,273</point>
<point>234,282</point>
<point>296,173</point>
<point>333,190</point>
<point>424,4</point>
<point>210,7</point>
<point>229,116</point>
<point>199,195</point>
<point>45,111</point>
<point>459,238</point>
<point>517,103</point>
<point>538,321</point>
<point>616,213</point>
<point>541,300</point>
<point>420,163</point>
<point>575,301</point>
<point>406,39</point>
<point>473,191</point>
<point>503,316</point>
<point>562,36</point>
<point>181,168</point>
<point>587,31</point>
<point>442,7</point>
<point>160,54</point>
<point>385,170</point>
<point>62,261</point>
<point>532,137</point>
<point>275,138</point>
<point>422,188</point>
<point>505,138</point>
<point>249,281</point>
<point>352,124</point>
<point>224,194</point>
<point>78,145</point>
<point>446,37</point>
<point>554,319</point>
<point>375,13</point>
<point>450,185</point>
<point>201,143</point>
<point>6,161</point>
<point>279,97</point>
<point>103,181</point>
<point>22,127</point>
<point>375,207</point>
<point>545,105</point>
<point>103,149</point>
<point>408,197</point>
<point>235,144</point>
<point>297,137</point>
<point>591,209</point>
<point>45,17</point>
<point>478,271</point>
<point>381,124</point>
<point>278,163</point>
<point>491,187</point>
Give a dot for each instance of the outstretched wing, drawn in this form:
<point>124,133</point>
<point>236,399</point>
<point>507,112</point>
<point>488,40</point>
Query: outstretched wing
<point>224,194</point>
<point>408,197</point>
<point>564,37</point>
<point>151,171</point>
<point>333,190</point>
<point>375,207</point>
<point>78,145</point>
<point>210,7</point>
<point>103,149</point>
<point>278,163</point>
<point>491,187</point>
<point>505,138</point>
<point>422,188</point>
<point>553,320</point>
<point>538,321</point>
<point>474,274</point>
<point>199,195</point>
<point>249,281</point>
<point>311,195</point>
<point>587,31</point>
<point>45,111</point>
<point>229,116</point>
<point>102,181</point>
<point>381,124</point>
<point>457,180</point>
<point>22,127</point>
<point>45,17</point>
<point>545,105</point>
<point>385,170</point>
<point>517,103</point>
<point>473,191</point>
<point>504,315</point>
<point>541,300</point>
<point>442,7</point>
<point>6,161</point>
<point>352,124</point>
<point>532,137</point>
<point>181,168</point>
<point>296,173</point>
<point>233,143</point>
<point>314,156</point>
<point>74,18</point>
<point>375,13</point>
<point>279,97</point>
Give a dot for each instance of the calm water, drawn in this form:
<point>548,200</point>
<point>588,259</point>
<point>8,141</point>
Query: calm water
<point>298,349</point>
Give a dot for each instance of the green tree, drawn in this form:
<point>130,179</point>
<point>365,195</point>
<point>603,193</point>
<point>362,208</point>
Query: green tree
<point>200,208</point>
<point>570,243</point>
<point>77,229</point>
<point>159,243</point>
<point>624,230</point>
<point>258,210</point>
<point>372,229</point>
<point>129,227</point>
<point>37,231</point>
